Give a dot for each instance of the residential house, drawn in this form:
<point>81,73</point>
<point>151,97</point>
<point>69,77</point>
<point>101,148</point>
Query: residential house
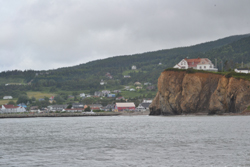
<point>71,97</point>
<point>160,64</point>
<point>120,98</point>
<point>41,99</point>
<point>147,83</point>
<point>95,106</point>
<point>199,64</point>
<point>147,100</point>
<point>108,75</point>
<point>133,67</point>
<point>105,92</point>
<point>143,106</point>
<point>132,89</point>
<point>22,105</point>
<point>82,95</point>
<point>137,83</point>
<point>126,76</point>
<point>74,110</point>
<point>109,107</point>
<point>11,109</point>
<point>57,107</point>
<point>138,87</point>
<point>152,87</point>
<point>126,87</point>
<point>98,93</point>
<point>77,105</point>
<point>7,97</point>
<point>116,91</point>
<point>242,70</point>
<point>34,109</point>
<point>124,106</point>
<point>103,82</point>
<point>111,95</point>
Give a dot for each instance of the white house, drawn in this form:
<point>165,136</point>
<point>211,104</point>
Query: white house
<point>198,64</point>
<point>82,95</point>
<point>11,109</point>
<point>7,97</point>
<point>133,67</point>
<point>242,70</point>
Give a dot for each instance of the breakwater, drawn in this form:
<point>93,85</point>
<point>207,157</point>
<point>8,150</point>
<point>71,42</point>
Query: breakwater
<point>31,115</point>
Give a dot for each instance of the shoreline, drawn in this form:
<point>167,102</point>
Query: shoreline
<point>34,115</point>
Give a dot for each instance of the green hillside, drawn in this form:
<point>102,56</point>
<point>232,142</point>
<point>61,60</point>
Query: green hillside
<point>229,52</point>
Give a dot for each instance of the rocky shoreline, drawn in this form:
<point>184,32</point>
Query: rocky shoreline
<point>33,115</point>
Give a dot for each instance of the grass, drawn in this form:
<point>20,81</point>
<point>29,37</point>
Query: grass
<point>11,80</point>
<point>131,71</point>
<point>133,94</point>
<point>39,95</point>
<point>6,101</point>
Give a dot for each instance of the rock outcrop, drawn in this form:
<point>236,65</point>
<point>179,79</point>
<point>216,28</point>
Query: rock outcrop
<point>180,92</point>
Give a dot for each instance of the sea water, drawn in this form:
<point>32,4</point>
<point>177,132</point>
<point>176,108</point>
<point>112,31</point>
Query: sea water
<point>121,141</point>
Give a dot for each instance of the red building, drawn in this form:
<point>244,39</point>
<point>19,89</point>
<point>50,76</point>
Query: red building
<point>124,106</point>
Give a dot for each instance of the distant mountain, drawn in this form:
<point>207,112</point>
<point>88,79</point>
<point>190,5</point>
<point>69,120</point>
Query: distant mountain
<point>228,51</point>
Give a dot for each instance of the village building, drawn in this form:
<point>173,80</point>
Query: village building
<point>105,92</point>
<point>111,95</point>
<point>57,107</point>
<point>242,70</point>
<point>124,106</point>
<point>133,67</point>
<point>198,64</point>
<point>98,93</point>
<point>77,105</point>
<point>126,76</point>
<point>11,109</point>
<point>138,87</point>
<point>7,97</point>
<point>82,95</point>
<point>137,83</point>
<point>108,75</point>
<point>120,98</point>
<point>109,107</point>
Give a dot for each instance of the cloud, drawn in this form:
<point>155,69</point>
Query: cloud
<point>47,34</point>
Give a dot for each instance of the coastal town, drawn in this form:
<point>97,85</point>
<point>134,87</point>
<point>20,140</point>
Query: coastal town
<point>118,104</point>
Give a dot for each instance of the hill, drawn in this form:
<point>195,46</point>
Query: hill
<point>86,77</point>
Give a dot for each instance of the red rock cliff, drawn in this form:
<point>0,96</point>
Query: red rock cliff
<point>185,93</point>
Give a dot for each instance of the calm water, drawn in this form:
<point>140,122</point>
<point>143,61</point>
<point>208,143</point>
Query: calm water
<point>213,141</point>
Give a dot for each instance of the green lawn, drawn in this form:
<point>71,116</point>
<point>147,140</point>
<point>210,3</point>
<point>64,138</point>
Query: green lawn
<point>39,95</point>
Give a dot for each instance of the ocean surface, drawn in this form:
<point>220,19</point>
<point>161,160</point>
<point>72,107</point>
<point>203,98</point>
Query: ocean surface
<point>121,141</point>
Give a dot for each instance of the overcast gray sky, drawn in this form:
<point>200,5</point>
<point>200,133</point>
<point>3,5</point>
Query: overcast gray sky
<point>48,34</point>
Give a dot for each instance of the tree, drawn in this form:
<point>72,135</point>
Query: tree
<point>11,102</point>
<point>22,99</point>
<point>87,109</point>
<point>58,99</point>
<point>69,106</point>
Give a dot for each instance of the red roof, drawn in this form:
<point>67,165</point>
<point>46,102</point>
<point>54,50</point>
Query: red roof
<point>193,62</point>
<point>10,106</point>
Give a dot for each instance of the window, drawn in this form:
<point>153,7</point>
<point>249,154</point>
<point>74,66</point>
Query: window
<point>204,67</point>
<point>200,67</point>
<point>211,67</point>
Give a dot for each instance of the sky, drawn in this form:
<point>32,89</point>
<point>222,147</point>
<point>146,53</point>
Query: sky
<point>49,34</point>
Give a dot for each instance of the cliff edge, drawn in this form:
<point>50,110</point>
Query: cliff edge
<point>180,92</point>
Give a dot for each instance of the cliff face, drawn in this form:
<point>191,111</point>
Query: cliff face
<point>183,93</point>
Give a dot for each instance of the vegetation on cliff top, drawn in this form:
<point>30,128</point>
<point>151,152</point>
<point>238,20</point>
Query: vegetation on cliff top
<point>226,74</point>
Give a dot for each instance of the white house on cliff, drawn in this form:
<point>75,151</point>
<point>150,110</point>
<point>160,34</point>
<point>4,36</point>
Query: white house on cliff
<point>198,64</point>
